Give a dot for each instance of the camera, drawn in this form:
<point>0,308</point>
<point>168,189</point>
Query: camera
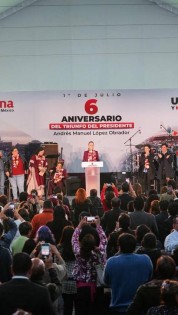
<point>90,219</point>
<point>45,250</point>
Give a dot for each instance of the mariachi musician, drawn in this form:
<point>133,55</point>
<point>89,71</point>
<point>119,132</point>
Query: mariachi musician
<point>146,168</point>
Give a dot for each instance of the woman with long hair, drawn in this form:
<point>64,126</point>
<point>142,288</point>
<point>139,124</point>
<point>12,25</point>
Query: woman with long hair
<point>108,192</point>
<point>60,202</point>
<point>154,208</point>
<point>137,187</point>
<point>89,254</point>
<point>80,203</point>
<point>59,222</point>
<point>43,235</point>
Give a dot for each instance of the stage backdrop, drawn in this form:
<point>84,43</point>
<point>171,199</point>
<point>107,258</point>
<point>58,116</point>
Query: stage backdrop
<point>118,121</point>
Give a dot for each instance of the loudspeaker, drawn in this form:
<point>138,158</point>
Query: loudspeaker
<point>51,153</point>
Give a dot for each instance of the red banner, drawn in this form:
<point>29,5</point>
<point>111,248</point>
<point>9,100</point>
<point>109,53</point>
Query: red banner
<point>77,126</point>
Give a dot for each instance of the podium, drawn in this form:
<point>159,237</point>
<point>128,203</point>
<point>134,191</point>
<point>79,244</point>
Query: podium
<point>92,175</point>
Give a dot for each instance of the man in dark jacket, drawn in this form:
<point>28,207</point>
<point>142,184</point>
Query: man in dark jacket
<point>21,293</point>
<point>165,169</point>
<point>139,216</point>
<point>109,219</point>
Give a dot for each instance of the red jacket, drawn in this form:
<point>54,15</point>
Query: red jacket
<point>85,156</point>
<point>41,219</point>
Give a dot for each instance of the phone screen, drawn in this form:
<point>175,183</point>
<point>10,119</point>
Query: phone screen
<point>90,219</point>
<point>11,205</point>
<point>45,250</point>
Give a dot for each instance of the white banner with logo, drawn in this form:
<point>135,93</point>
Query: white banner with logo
<point>118,121</point>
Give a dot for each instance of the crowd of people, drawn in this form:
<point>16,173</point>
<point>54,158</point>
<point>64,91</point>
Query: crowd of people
<point>114,252</point>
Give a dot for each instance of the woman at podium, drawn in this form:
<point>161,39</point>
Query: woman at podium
<point>90,155</point>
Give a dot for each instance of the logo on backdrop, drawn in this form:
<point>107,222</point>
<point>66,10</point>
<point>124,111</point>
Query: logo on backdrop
<point>174,102</point>
<point>6,106</point>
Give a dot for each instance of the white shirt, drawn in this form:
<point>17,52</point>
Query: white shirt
<point>171,241</point>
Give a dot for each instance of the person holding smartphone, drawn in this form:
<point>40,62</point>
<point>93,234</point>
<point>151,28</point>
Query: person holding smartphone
<point>88,254</point>
<point>42,269</point>
<point>45,250</point>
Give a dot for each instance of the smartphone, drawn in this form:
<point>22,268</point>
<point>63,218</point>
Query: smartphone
<point>90,219</point>
<point>128,180</point>
<point>11,205</point>
<point>45,250</point>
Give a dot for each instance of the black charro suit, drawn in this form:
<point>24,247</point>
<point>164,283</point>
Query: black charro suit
<point>21,293</point>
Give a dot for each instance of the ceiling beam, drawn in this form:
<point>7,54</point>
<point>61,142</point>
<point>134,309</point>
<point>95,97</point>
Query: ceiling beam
<point>168,5</point>
<point>21,5</point>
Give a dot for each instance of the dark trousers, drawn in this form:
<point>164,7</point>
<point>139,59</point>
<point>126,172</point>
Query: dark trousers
<point>69,303</point>
<point>84,305</point>
<point>115,312</point>
<point>146,182</point>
